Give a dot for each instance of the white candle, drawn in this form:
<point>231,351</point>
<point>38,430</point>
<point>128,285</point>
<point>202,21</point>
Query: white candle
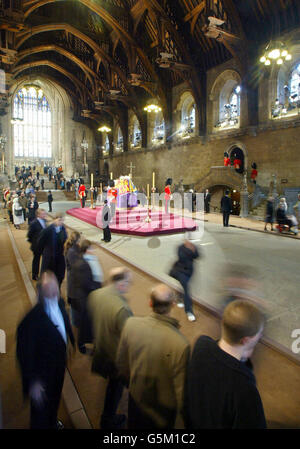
<point>147,190</point>
<point>153,180</point>
<point>111,175</point>
<point>92,180</point>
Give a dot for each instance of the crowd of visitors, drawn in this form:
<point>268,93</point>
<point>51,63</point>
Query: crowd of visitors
<point>211,386</point>
<point>168,384</point>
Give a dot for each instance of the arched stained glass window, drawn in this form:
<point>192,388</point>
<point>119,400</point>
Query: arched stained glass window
<point>32,124</point>
<point>295,84</point>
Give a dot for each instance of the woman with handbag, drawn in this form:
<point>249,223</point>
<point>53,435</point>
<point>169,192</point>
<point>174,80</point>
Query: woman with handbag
<point>17,212</point>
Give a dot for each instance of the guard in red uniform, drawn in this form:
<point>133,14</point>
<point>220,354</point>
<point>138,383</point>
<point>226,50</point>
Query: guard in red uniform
<point>254,173</point>
<point>82,194</point>
<point>167,194</point>
<point>226,160</point>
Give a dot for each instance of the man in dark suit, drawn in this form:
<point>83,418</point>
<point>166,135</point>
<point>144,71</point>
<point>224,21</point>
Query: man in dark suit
<point>206,201</point>
<point>42,339</point>
<point>50,200</point>
<point>34,231</point>
<point>106,218</point>
<point>226,208</point>
<point>51,245</point>
<point>32,206</point>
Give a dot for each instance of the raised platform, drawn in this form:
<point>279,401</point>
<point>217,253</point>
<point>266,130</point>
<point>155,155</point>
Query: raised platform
<point>132,222</point>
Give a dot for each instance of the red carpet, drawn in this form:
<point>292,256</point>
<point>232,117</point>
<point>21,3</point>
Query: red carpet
<point>133,221</point>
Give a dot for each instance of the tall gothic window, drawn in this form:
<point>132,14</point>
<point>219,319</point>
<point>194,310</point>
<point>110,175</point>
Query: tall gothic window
<point>295,84</point>
<point>32,125</point>
<point>188,117</point>
<point>159,129</point>
<point>229,108</point>
<point>119,146</point>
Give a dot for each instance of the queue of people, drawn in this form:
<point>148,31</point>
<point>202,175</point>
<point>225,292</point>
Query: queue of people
<point>168,384</point>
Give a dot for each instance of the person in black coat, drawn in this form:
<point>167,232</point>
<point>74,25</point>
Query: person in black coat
<point>42,183</point>
<point>182,271</point>
<point>32,206</point>
<point>51,245</point>
<point>87,276</point>
<point>42,339</point>
<point>220,391</point>
<point>226,208</point>
<point>72,255</point>
<point>269,213</point>
<point>34,231</point>
<point>207,201</point>
<point>50,200</point>
<point>106,219</point>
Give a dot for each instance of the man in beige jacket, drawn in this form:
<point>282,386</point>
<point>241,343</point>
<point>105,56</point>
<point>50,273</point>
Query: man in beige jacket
<point>152,359</point>
<point>109,311</point>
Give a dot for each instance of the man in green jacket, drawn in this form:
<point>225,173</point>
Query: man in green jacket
<point>152,359</point>
<point>109,311</point>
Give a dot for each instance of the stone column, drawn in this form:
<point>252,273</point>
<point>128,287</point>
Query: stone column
<point>244,196</point>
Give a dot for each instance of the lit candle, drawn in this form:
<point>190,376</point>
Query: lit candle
<point>153,180</point>
<point>92,180</point>
<point>147,190</point>
<point>111,175</point>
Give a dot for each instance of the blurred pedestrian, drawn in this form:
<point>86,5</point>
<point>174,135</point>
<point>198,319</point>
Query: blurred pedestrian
<point>51,245</point>
<point>109,310</point>
<point>87,276</point>
<point>152,359</point>
<point>269,213</point>
<point>34,232</point>
<point>221,389</point>
<point>182,271</point>
<point>42,339</point>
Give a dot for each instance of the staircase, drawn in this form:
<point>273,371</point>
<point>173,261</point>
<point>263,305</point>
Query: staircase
<point>259,212</point>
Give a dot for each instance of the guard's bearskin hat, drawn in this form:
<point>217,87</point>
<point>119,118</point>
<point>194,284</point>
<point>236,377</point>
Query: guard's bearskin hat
<point>254,165</point>
<point>169,182</point>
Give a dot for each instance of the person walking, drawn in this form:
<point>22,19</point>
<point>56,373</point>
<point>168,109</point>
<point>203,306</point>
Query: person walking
<point>72,254</point>
<point>226,208</point>
<point>207,197</point>
<point>51,246</point>
<point>152,359</point>
<point>42,339</point>
<point>50,200</point>
<point>269,213</point>
<point>220,388</point>
<point>106,219</point>
<point>23,201</point>
<point>42,183</point>
<point>87,276</point>
<point>34,232</point>
<point>37,184</point>
<point>32,206</point>
<point>10,200</point>
<point>109,310</point>
<point>182,271</point>
<point>18,217</point>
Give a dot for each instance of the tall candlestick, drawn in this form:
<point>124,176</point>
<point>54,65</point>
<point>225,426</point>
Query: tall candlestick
<point>153,180</point>
<point>92,180</point>
<point>148,191</point>
<point>111,175</point>
<point>100,187</point>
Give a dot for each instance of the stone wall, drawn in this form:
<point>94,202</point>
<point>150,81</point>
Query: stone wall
<point>274,151</point>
